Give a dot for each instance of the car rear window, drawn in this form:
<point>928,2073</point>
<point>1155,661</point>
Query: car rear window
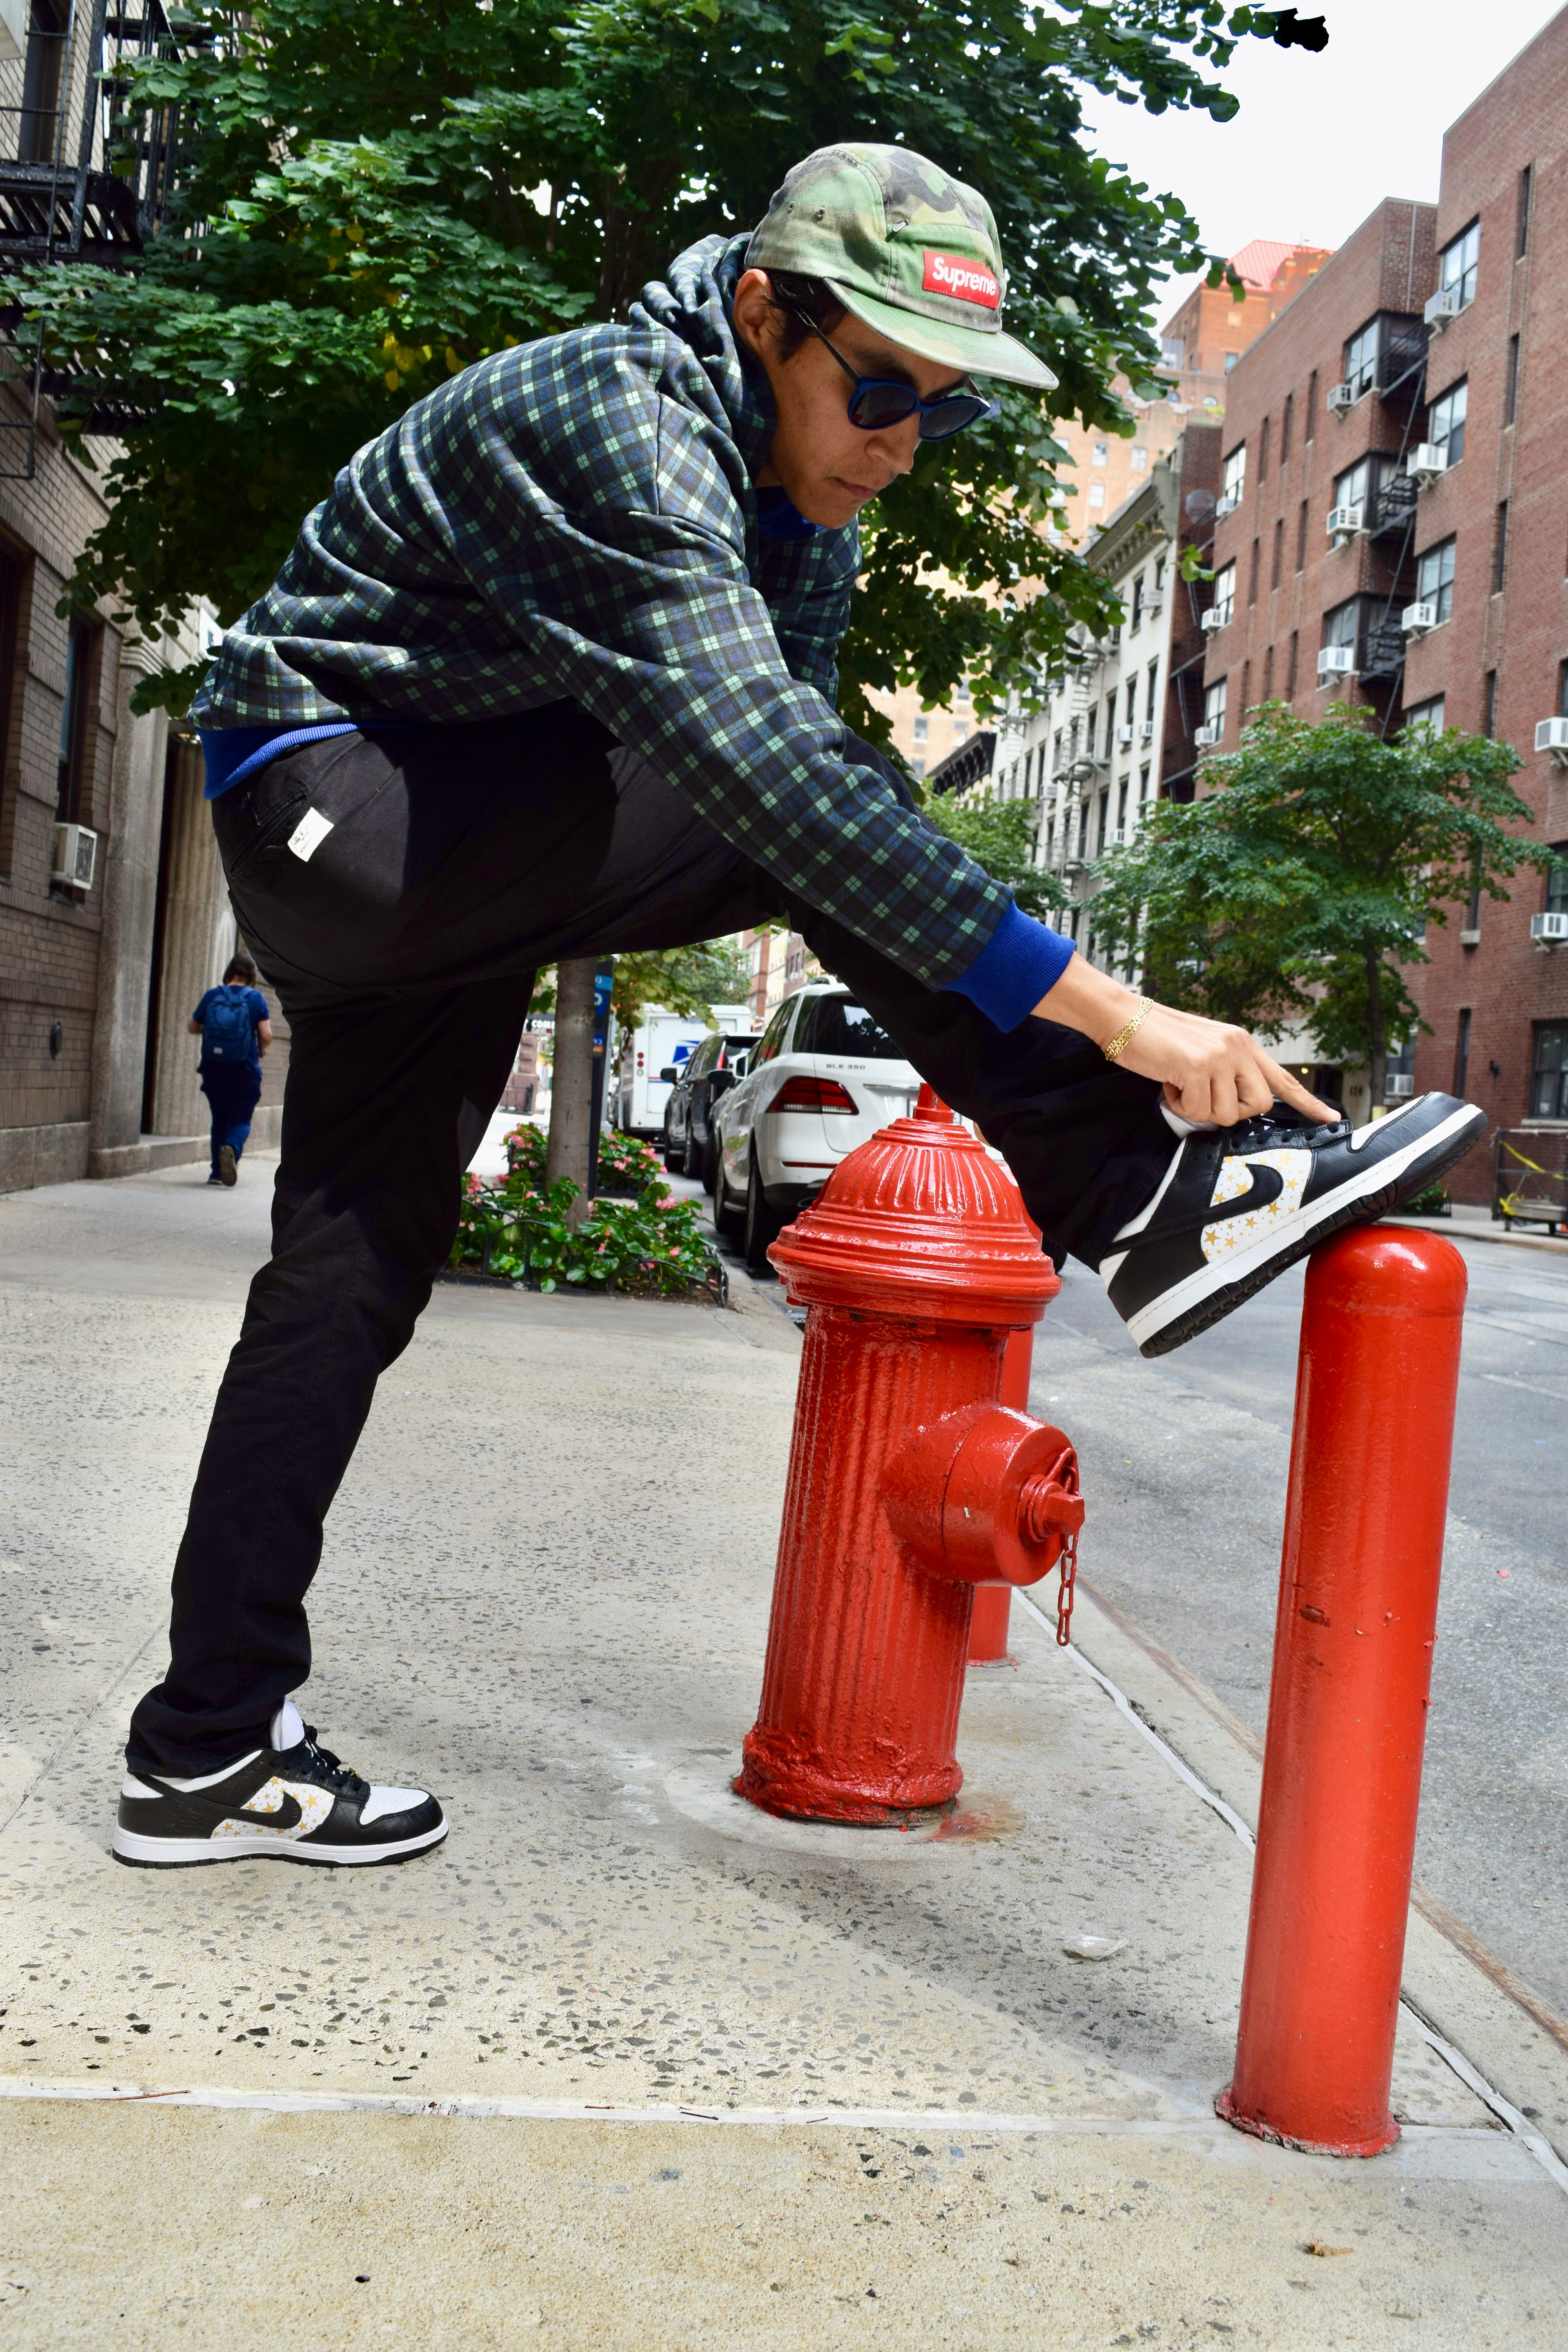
<point>835,1024</point>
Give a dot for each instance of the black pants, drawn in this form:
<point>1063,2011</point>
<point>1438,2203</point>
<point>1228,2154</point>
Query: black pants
<point>233,1089</point>
<point>460,862</point>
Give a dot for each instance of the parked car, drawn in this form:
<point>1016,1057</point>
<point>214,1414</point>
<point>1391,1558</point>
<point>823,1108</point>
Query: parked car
<point>664,1044</point>
<point>706,1077</point>
<point>821,1078</point>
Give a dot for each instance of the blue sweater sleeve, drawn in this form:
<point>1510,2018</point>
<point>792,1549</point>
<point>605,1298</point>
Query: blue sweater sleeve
<point>1018,963</point>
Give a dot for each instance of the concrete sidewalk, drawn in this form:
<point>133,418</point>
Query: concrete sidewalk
<point>625,2063</point>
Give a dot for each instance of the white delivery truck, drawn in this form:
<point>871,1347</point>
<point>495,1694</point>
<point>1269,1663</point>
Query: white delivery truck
<point>666,1040</point>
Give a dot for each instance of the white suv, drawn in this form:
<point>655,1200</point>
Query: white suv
<point>820,1079</point>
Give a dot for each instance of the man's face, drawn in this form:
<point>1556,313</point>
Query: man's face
<point>826,467</point>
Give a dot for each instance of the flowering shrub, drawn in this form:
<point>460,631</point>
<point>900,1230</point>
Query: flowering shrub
<point>626,1164</point>
<point>519,1231</point>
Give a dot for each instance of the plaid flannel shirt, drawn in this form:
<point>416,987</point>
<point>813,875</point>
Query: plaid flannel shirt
<point>576,518</point>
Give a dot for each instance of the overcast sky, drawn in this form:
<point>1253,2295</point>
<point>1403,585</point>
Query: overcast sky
<point>1320,140</point>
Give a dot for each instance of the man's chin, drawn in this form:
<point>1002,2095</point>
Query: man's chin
<point>831,509</point>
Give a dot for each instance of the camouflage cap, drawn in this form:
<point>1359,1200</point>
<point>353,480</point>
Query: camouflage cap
<point>911,252</point>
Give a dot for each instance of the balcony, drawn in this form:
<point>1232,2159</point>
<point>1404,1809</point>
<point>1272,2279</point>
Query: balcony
<point>1383,653</point>
<point>1392,507</point>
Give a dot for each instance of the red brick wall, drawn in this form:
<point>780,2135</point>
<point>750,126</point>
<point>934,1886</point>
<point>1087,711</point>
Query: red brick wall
<point>1521,631</point>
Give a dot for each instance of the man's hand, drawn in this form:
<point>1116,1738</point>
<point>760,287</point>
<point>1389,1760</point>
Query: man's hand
<point>1208,1069</point>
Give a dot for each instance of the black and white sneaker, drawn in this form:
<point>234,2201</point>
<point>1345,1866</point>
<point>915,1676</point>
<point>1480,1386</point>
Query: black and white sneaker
<point>290,1800</point>
<point>1238,1204</point>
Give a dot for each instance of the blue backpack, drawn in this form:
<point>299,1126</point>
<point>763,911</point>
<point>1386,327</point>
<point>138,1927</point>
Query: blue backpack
<point>227,1031</point>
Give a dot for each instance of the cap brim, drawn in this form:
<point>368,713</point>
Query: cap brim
<point>969,351</point>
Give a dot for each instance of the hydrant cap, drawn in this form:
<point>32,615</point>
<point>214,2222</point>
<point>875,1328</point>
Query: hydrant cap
<point>919,1219</point>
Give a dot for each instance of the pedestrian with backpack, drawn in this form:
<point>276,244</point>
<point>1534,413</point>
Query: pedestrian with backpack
<point>232,1022</point>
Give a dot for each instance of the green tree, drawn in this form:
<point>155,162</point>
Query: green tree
<point>374,197</point>
<point>686,980</point>
<point>1001,836</point>
<point>1300,888</point>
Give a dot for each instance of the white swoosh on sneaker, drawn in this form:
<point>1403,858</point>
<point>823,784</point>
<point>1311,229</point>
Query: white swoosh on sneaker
<point>1239,1182</point>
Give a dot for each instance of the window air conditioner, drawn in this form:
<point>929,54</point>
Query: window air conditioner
<point>1341,397</point>
<point>1398,1084</point>
<point>1154,605</point>
<point>1216,617</point>
<point>1470,939</point>
<point>1228,505</point>
<point>1549,930</point>
<point>1117,834</point>
<point>1207,736</point>
<point>1145,731</point>
<point>1337,661</point>
<point>1427,463</point>
<point>1124,737</point>
<point>1344,521</point>
<point>1551,735</point>
<point>76,855</point>
<point>1417,619</point>
<point>1441,307</point>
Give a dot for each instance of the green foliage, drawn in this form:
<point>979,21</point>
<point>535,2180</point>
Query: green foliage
<point>685,980</point>
<point>1001,836</point>
<point>1298,890</point>
<point>374,197</point>
<point>519,1230</point>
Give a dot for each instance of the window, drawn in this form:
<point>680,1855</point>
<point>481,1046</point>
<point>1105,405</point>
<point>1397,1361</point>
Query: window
<point>1521,236</point>
<point>47,36</point>
<point>1446,421</point>
<point>1131,700</point>
<point>1235,481</point>
<point>13,576</point>
<point>1246,691</point>
<point>1462,1051</point>
<point>1342,625</point>
<point>1230,360</point>
<point>1435,579</point>
<point>1352,487</point>
<point>1096,494</point>
<point>76,745</point>
<point>1549,1075</point>
<point>1138,460</point>
<point>1213,711</point>
<point>961,730</point>
<point>1457,266</point>
<point>1088,731</point>
<point>1224,595</point>
<point>1510,380</point>
<point>1562,688</point>
<point>1310,423</point>
<point>1263,451</point>
<point>1286,421</point>
<point>1425,714</point>
<point>771,1042</point>
<point>1557,879</point>
<point>1269,673</point>
<point>1099,454</point>
<point>1488,706</point>
<point>1153,680</point>
<point>921,727</point>
<point>1252,576</point>
<point>962,696</point>
<point>1499,548</point>
<point>1301,538</point>
<point>1159,573</point>
<point>1360,358</point>
<point>836,1025</point>
<point>1136,605</point>
<point>918,766</point>
<point>1278,565</point>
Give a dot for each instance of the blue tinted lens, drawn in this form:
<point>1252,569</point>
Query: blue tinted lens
<point>873,406</point>
<point>947,417</point>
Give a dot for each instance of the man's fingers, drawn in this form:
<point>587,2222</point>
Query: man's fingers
<point>1292,1091</point>
<point>1254,1091</point>
<point>1223,1097</point>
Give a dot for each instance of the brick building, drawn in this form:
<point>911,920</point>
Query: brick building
<point>113,918</point>
<point>1491,549</point>
<point>1204,339</point>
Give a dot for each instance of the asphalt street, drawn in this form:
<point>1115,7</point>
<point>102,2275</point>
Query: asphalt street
<point>1184,1465</point>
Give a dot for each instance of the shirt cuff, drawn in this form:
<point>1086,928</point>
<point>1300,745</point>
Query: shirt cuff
<point>1019,962</point>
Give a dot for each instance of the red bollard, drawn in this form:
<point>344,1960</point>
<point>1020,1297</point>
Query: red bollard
<point>908,1482</point>
<point>1347,1707</point>
<point>994,1602</point>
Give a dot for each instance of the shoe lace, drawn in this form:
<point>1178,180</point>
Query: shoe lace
<point>329,1771</point>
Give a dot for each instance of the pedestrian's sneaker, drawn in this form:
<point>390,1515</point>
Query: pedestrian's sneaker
<point>227,1164</point>
<point>214,1177</point>
<point>1238,1204</point>
<point>289,1800</point>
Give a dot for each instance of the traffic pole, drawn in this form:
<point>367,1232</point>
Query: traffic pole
<point>1352,1685</point>
<point>994,1602</point>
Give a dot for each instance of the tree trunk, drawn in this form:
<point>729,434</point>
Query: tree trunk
<point>572,1083</point>
<point>1377,1036</point>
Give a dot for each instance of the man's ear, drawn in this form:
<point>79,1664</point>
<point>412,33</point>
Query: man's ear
<point>751,309</point>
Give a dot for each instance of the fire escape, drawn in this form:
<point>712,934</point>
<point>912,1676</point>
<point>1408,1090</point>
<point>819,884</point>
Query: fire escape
<point>86,174</point>
<point>1401,384</point>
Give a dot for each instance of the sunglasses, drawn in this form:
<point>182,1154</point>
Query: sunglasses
<point>878,401</point>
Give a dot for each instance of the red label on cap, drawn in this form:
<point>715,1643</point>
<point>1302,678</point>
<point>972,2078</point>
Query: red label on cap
<point>965,280</point>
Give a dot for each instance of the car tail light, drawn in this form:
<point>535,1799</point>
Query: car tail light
<point>813,1094</point>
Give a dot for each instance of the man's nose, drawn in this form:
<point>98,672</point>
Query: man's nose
<point>895,446</point>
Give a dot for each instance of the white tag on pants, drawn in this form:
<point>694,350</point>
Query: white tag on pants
<point>308,833</point>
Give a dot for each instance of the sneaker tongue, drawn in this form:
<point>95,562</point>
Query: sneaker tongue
<point>287,1729</point>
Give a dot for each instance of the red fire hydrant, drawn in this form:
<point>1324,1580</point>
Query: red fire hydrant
<point>908,1482</point>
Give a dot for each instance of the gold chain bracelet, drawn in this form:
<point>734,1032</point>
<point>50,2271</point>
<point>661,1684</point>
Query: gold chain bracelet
<point>1123,1037</point>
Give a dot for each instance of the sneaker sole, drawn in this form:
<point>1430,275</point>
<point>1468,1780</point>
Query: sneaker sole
<point>1382,1189</point>
<point>139,1852</point>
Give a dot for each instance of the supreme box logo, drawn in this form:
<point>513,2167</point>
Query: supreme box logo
<point>965,280</point>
